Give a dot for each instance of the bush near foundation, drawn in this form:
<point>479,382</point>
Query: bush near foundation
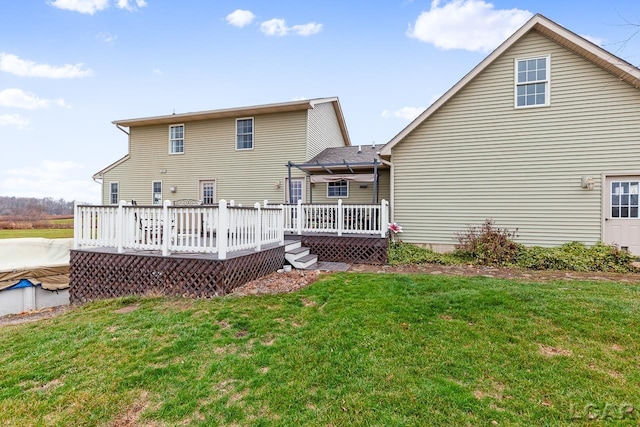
<point>489,245</point>
<point>494,246</point>
<point>576,256</point>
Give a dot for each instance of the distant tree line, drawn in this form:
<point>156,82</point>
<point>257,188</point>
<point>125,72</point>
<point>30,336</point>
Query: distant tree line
<point>33,208</point>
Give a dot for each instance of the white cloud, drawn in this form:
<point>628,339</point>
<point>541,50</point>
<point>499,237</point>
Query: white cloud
<point>240,18</point>
<point>82,6</point>
<point>22,67</point>
<point>278,27</point>
<point>125,4</point>
<point>14,120</point>
<point>405,113</point>
<point>107,37</point>
<point>595,40</point>
<point>473,25</point>
<point>157,71</point>
<point>307,29</point>
<point>17,98</point>
<point>274,27</point>
<point>50,179</point>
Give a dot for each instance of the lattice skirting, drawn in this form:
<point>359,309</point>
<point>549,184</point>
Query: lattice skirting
<point>365,250</point>
<point>95,275</point>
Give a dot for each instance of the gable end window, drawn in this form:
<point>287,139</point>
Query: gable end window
<point>338,189</point>
<point>114,192</point>
<point>244,133</point>
<point>176,139</point>
<point>532,82</point>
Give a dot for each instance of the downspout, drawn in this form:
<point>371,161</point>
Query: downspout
<point>392,202</point>
<point>118,126</point>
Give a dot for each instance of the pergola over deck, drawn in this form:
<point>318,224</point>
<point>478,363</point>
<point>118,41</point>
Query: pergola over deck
<point>359,163</point>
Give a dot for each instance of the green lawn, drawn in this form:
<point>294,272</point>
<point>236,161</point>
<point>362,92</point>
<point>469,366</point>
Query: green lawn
<point>47,233</point>
<point>352,349</point>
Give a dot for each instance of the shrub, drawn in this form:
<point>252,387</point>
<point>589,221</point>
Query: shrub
<point>576,256</point>
<point>406,253</point>
<point>489,245</point>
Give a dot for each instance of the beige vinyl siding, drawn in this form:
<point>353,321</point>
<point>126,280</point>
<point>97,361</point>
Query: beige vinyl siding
<point>356,194</point>
<point>324,129</point>
<point>478,157</point>
<point>246,176</point>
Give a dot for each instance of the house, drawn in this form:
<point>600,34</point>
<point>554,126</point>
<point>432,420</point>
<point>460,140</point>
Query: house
<point>543,136</point>
<point>238,154</point>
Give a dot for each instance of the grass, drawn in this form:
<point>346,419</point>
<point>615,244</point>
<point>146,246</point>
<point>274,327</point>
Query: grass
<point>352,349</point>
<point>47,233</point>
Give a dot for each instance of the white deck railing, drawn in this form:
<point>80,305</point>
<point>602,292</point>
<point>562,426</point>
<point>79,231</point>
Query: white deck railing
<point>178,229</point>
<point>337,218</point>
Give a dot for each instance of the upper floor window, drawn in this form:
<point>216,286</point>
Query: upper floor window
<point>338,189</point>
<point>244,134</point>
<point>532,81</point>
<point>176,139</point>
<point>114,190</point>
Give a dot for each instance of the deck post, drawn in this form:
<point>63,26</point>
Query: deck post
<point>120,226</point>
<point>384,217</point>
<point>281,225</point>
<point>340,217</point>
<point>77,226</point>
<point>166,228</point>
<point>299,217</point>
<point>223,229</point>
<point>258,227</point>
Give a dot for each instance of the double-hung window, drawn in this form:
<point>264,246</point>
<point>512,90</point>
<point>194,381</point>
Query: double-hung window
<point>338,189</point>
<point>156,192</point>
<point>114,190</point>
<point>532,82</point>
<point>176,139</point>
<point>244,133</point>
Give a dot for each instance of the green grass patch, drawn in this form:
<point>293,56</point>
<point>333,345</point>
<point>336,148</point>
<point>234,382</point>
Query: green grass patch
<point>47,233</point>
<point>352,349</point>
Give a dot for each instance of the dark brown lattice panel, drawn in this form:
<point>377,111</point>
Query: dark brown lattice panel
<point>365,250</point>
<point>95,275</point>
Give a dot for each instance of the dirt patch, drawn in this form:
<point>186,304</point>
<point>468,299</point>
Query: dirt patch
<point>127,309</point>
<point>277,283</point>
<point>498,272</point>
<point>131,417</point>
<point>32,316</point>
<point>546,350</point>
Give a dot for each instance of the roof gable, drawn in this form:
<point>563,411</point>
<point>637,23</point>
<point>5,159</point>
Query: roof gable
<point>569,40</point>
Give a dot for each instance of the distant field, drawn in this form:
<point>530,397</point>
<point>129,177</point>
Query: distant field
<point>52,227</point>
<point>47,233</point>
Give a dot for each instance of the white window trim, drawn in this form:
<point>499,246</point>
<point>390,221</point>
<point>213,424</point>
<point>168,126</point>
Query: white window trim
<point>338,197</point>
<point>184,132</point>
<point>253,134</point>
<point>110,193</point>
<point>215,190</point>
<point>286,194</point>
<point>547,93</point>
<point>153,192</point>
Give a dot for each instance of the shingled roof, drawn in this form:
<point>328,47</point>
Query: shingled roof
<point>352,155</point>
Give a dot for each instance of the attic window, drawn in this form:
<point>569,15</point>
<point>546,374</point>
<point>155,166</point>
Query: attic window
<point>532,82</point>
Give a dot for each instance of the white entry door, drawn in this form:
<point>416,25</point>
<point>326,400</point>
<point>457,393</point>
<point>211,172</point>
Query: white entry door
<point>622,216</point>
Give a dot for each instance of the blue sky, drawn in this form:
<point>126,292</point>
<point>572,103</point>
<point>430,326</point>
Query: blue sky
<point>68,68</point>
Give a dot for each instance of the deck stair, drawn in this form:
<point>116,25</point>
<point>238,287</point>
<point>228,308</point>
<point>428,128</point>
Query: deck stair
<point>298,256</point>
